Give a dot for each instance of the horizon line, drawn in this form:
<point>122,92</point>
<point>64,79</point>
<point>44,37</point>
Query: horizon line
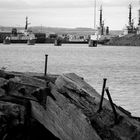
<point>52,27</point>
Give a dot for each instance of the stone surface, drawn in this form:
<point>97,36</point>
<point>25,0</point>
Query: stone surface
<point>66,106</point>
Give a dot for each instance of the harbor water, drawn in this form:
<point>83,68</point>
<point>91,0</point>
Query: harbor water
<point>120,65</point>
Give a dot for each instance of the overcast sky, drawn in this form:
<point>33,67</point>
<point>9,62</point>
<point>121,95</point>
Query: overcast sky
<point>66,13</point>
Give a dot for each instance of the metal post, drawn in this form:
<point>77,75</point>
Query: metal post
<point>111,103</point>
<point>46,61</point>
<point>102,96</point>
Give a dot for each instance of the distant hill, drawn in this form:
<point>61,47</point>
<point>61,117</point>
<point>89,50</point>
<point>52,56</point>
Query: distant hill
<point>48,30</point>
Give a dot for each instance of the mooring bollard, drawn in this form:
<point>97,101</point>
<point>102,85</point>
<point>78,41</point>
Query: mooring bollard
<point>111,103</point>
<point>46,61</point>
<point>102,96</point>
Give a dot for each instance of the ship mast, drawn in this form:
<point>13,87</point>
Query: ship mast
<point>139,15</point>
<point>101,21</point>
<point>139,18</point>
<point>130,15</point>
<point>101,16</point>
<point>94,14</point>
<point>27,23</point>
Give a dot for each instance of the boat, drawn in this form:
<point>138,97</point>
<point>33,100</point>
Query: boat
<point>101,35</point>
<point>7,40</point>
<point>31,38</point>
<point>40,37</point>
<point>92,43</point>
<point>22,36</point>
<point>31,42</point>
<point>57,42</point>
<point>93,40</point>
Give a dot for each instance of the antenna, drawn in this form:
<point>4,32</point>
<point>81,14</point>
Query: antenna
<point>94,14</point>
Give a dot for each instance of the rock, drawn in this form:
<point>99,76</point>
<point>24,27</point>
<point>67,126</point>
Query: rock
<point>2,82</point>
<point>67,107</point>
<point>74,114</point>
<point>6,75</point>
<point>12,125</point>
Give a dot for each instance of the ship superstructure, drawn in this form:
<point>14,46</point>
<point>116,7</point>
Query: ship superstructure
<point>102,30</point>
<point>130,28</point>
<point>138,27</point>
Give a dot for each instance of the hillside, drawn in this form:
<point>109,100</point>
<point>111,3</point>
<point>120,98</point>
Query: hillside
<point>48,30</point>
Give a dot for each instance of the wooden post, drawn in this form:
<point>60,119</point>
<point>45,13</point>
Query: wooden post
<point>102,96</point>
<point>46,61</point>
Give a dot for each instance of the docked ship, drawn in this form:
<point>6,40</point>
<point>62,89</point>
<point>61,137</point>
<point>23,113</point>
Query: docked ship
<point>93,40</point>
<point>26,36</point>
<point>101,35</point>
<point>7,40</point>
<point>22,36</point>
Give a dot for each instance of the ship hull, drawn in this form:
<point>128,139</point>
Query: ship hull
<point>31,42</point>
<point>18,41</point>
<point>6,41</point>
<point>92,43</point>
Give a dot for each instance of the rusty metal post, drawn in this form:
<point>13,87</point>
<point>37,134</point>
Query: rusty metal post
<point>102,96</point>
<point>111,103</point>
<point>46,61</point>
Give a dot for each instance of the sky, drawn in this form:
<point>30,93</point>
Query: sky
<point>67,13</point>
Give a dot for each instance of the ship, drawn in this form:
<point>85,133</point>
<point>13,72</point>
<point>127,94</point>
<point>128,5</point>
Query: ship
<point>22,36</point>
<point>101,35</point>
<point>31,39</point>
<point>7,40</point>
<point>93,40</point>
<point>58,42</point>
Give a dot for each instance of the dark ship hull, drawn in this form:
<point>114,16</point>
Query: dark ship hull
<point>31,42</point>
<point>93,43</point>
<point>18,41</point>
<point>21,38</point>
<point>40,37</point>
<point>6,41</point>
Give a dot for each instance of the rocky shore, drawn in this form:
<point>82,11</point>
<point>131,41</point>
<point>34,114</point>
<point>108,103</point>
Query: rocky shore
<point>61,107</point>
<point>127,40</point>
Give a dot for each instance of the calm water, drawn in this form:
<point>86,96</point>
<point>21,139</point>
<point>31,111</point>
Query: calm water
<point>120,65</point>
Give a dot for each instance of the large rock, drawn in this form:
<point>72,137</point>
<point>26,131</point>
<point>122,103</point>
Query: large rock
<point>68,107</point>
<point>74,114</point>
